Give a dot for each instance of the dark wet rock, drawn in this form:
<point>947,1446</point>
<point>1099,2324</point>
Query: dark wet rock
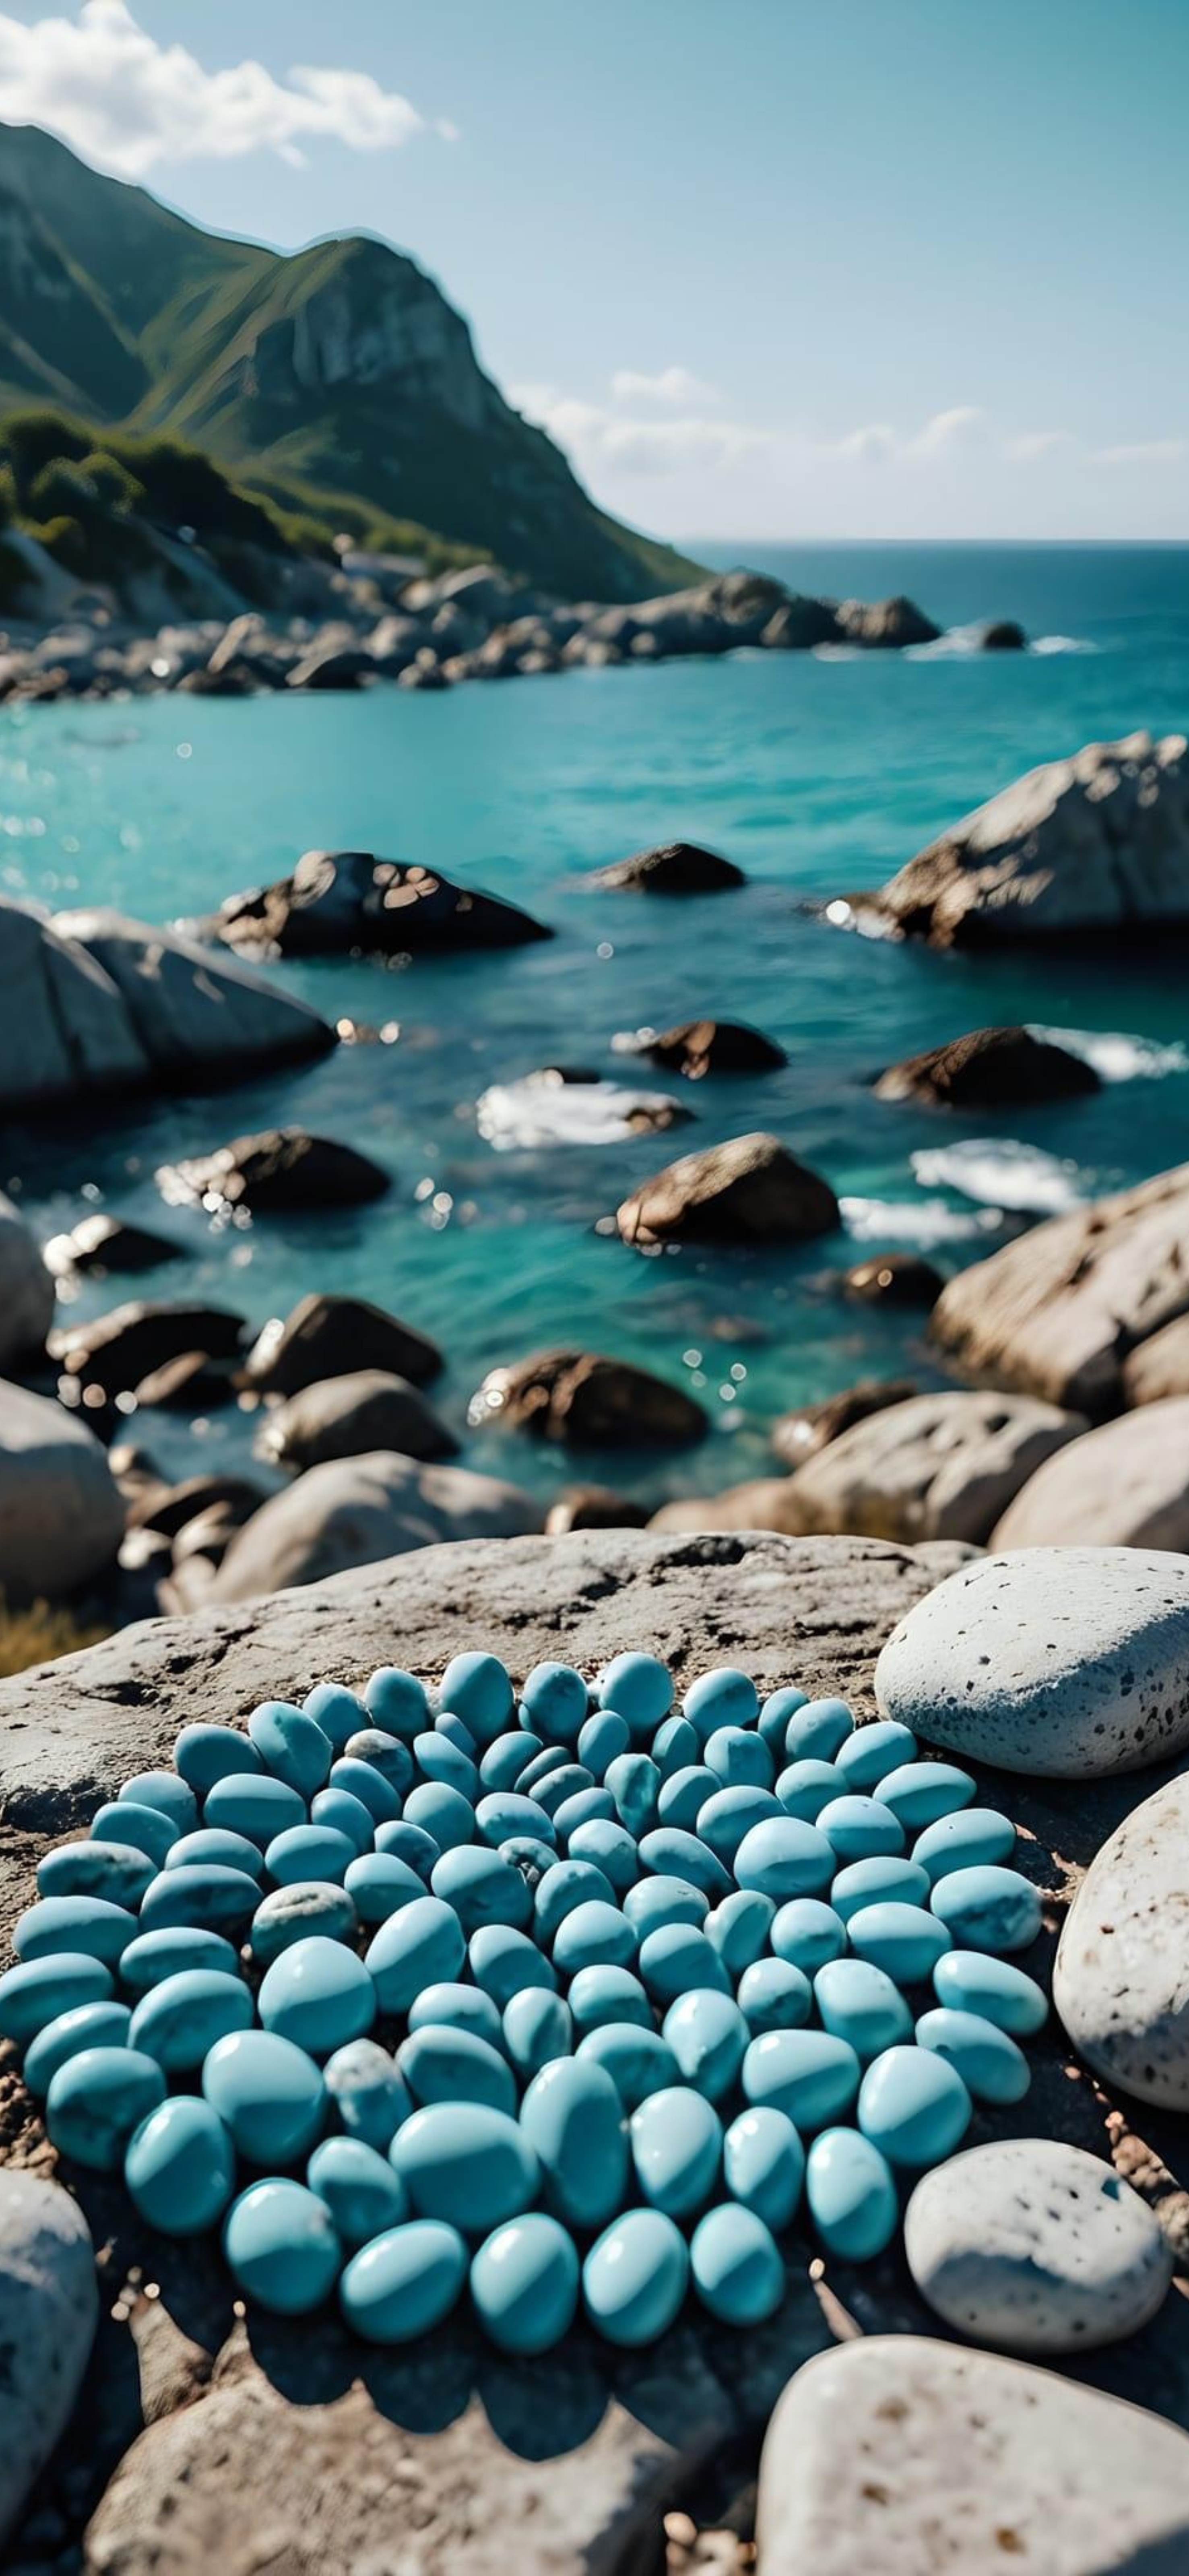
<point>427,673</point>
<point>698,1047</point>
<point>355,1511</point>
<point>191,1383</point>
<point>334,666</point>
<point>1004,636</point>
<point>343,1416</point>
<point>583,1507</point>
<point>894,1279</point>
<point>26,1286</point>
<point>102,1243</point>
<point>580,1397</point>
<point>333,1337</point>
<point>809,1427</point>
<point>799,624</point>
<point>884,623</point>
<point>749,1190</point>
<point>990,1069</point>
<point>679,867</point>
<point>61,1512</point>
<point>208,1535</point>
<point>168,1508</point>
<point>283,1168</point>
<point>113,1352</point>
<point>339,900</point>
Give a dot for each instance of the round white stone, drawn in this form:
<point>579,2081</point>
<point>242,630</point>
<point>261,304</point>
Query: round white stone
<point>1035,2246</point>
<point>1121,1980</point>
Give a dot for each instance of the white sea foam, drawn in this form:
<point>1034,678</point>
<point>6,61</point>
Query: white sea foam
<point>518,1116</point>
<point>1117,1057</point>
<point>1001,1173</point>
<point>920,1221</point>
<point>1063,644</point>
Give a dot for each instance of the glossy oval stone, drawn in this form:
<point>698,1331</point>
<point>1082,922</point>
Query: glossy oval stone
<point>367,2093</point>
<point>504,1962</point>
<point>362,1780</point>
<point>1032,2244</point>
<point>738,1928</point>
<point>569,1883</point>
<point>987,1908</point>
<point>708,2035</point>
<point>918,1793</point>
<point>178,2020</point>
<point>74,1926</point>
<point>319,1995</point>
<point>281,2245</point>
<point>599,1995</point>
<point>421,1946</point>
<point>860,1828</point>
<point>209,1898</point>
<point>877,1882</point>
<point>524,2284</point>
<point>735,2267</point>
<point>850,2192</point>
<point>477,1688</point>
<point>807,1932</point>
<point>537,2028</point>
<point>441,1812</point>
<point>452,2065</point>
<point>204,1754</point>
<point>379,1885</point>
<point>815,1729</point>
<point>454,2005</point>
<point>594,1935</point>
<point>681,1798</point>
<point>146,1828</point>
<point>739,1758</point>
<point>601,1739</point>
<point>398,1701</point>
<point>901,1939</point>
<point>634,2278</point>
<point>556,1702</point>
<point>117,1871</point>
<point>179,2167</point>
<point>587,1806</point>
<point>972,1981</point>
<point>640,1690</point>
<point>782,1858</point>
<point>573,2118</point>
<point>405,2282</point>
<point>967,1840</point>
<point>723,1698</point>
<point>268,2093</point>
<point>345,1814</point>
<point>913,2107</point>
<point>635,1785</point>
<point>805,1787</point>
<point>291,1745</point>
<point>503,1814</point>
<point>676,1745</point>
<point>96,2100</point>
<point>654,1902</point>
<point>541,1766</point>
<point>165,1791</point>
<point>501,1764</point>
<point>38,1991</point>
<point>805,2073</point>
<point>293,1913</point>
<point>774,1994</point>
<point>260,1808</point>
<point>763,2163</point>
<point>153,1956</point>
<point>359,2187</point>
<point>336,1710</point>
<point>871,1752</point>
<point>306,1852</point>
<point>437,1759</point>
<point>638,2060</point>
<point>991,2066</point>
<point>213,1843</point>
<point>676,2146</point>
<point>531,1857</point>
<point>398,1839</point>
<point>728,1817</point>
<point>774,1716</point>
<point>668,1852</point>
<point>482,1887</point>
<point>676,1959</point>
<point>611,1849</point>
<point>466,2164</point>
<point>860,2003</point>
<point>386,1754</point>
<point>95,2025</point>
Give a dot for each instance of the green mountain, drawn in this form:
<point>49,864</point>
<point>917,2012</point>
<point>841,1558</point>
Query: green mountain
<point>337,372</point>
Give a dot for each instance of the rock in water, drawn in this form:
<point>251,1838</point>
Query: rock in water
<point>354,1511</point>
<point>990,1069</point>
<point>61,1511</point>
<point>939,1466</point>
<point>345,899</point>
<point>285,1168</point>
<point>698,1047</point>
<point>810,1427</point>
<point>894,1279</point>
<point>898,2454</point>
<point>679,867</point>
<point>102,1243</point>
<point>49,2303</point>
<point>1121,1982</point>
<point>367,1409</point>
<point>334,1337</point>
<point>1034,2245</point>
<point>580,1397</point>
<point>113,1352</point>
<point>890,623</point>
<point>194,1015</point>
<point>749,1190</point>
<point>26,1287</point>
<point>1068,1663</point>
<point>1124,1485</point>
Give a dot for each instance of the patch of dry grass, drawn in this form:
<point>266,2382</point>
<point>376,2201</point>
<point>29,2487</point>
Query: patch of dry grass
<point>40,1634</point>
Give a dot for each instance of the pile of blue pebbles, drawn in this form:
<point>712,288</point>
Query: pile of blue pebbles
<point>578,1999</point>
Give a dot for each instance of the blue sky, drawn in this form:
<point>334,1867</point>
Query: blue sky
<point>767,268</point>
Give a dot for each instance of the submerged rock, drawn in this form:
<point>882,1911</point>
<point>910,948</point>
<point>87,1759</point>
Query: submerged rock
<point>1003,636</point>
<point>678,867</point>
<point>990,1069</point>
<point>283,1168</point>
<point>749,1190</point>
<point>354,1511</point>
<point>342,1416</point>
<point>333,1337</point>
<point>113,1352</point>
<point>894,1279</point>
<point>340,900</point>
<point>1124,1485</point>
<point>940,1466</point>
<point>1121,1982</point>
<point>698,1047</point>
<point>26,1287</point>
<point>580,1397</point>
<point>61,1512</point>
<point>809,1427</point>
<point>102,1243</point>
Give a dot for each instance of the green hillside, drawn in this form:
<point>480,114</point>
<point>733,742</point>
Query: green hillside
<point>338,377</point>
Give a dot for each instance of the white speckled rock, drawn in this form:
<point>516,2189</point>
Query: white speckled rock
<point>1121,1980</point>
<point>49,2306</point>
<point>898,2455</point>
<point>1035,2245</point>
<point>1066,1662</point>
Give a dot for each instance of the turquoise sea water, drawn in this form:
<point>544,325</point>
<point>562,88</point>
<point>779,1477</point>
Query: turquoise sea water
<point>819,775</point>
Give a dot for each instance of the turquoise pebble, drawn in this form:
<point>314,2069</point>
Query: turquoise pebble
<point>291,1745</point>
<point>640,1690</point>
<point>398,1701</point>
<point>730,1815</point>
<point>871,1752</point>
<point>204,1754</point>
<point>269,2094</point>
<point>440,1812</point>
<point>634,2278</point>
<point>816,1729</point>
<point>363,1781</point>
<point>446,2064</point>
<point>774,1994</point>
<point>860,2003</point>
<point>209,1898</point>
<point>421,1946</point>
<point>883,1880</point>
<point>611,1848</point>
<point>319,1995</point>
<point>807,1932</point>
<point>987,1908</point>
<point>385,1753</point>
<point>177,2021</point>
<point>600,1995</point>
<point>991,2066</point>
<point>707,2034</point>
<point>503,1761</point>
<point>681,1798</point>
<point>214,1843</point>
<point>775,1714</point>
<point>291,1914</point>
<point>567,1884</point>
<point>594,1936</point>
<point>850,2191</point>
<point>807,1786</point>
<point>782,1858</point>
<point>165,1791</point>
<point>541,1766</point>
<point>260,1808</point>
<point>117,1871</point>
<point>74,1926</point>
<point>483,1887</point>
<point>398,1839</point>
<point>537,2028</point>
<point>447,1725</point>
<point>524,2284</point>
<point>96,2025</point>
<point>451,2006</point>
<point>676,2144</point>
<point>504,1962</point>
<point>379,1885</point>
<point>466,2164</point>
<point>573,2120</point>
<point>367,2092</point>
<point>96,2100</point>
<point>676,1746</point>
<point>901,1939</point>
<point>122,1821</point>
<point>638,2060</point>
<point>556,1702</point>
<point>972,1981</point>
<point>763,2164</point>
<point>438,1759</point>
<point>736,2269</point>
<point>345,1815</point>
<point>405,2282</point>
<point>477,1688</point>
<point>359,2187</point>
<point>918,1793</point>
<point>668,1852</point>
<point>179,2167</point>
<point>601,1740</point>
<point>806,2073</point>
<point>653,1902</point>
<point>740,1760</point>
<point>964,1841</point>
<point>502,1814</point>
<point>303,1852</point>
<point>281,2245</point>
<point>587,1806</point>
<point>153,1956</point>
<point>860,1828</point>
<point>678,1958</point>
<point>723,1698</point>
<point>336,1710</point>
<point>914,2107</point>
<point>739,1928</point>
<point>635,1784</point>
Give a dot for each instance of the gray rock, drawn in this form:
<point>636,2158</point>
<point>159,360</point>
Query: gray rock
<point>1159,1366</point>
<point>191,1015</point>
<point>809,1427</point>
<point>26,1286</point>
<point>902,2455</point>
<point>1029,2244</point>
<point>1124,1485</point>
<point>61,1511</point>
<point>581,1397</point>
<point>49,2307</point>
<point>748,1190</point>
<point>1121,1981</point>
<point>368,1409</point>
<point>763,1503</point>
<point>100,1243</point>
<point>355,1511</point>
<point>1071,1663</point>
<point>938,1466</point>
<point>886,623</point>
<point>113,1352</point>
<point>333,1337</point>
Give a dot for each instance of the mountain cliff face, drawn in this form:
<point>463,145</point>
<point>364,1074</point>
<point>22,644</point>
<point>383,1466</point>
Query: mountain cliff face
<point>342,367</point>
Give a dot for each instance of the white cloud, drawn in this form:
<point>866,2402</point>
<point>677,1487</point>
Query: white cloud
<point>109,88</point>
<point>949,431</point>
<point>599,434</point>
<point>1143,451</point>
<point>672,386</point>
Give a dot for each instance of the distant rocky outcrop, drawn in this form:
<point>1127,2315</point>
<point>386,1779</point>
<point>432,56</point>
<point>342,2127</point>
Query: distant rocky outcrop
<point>101,1243</point>
<point>884,622</point>
<point>749,1190</point>
<point>989,1069</point>
<point>894,1279</point>
<point>579,1396</point>
<point>339,900</point>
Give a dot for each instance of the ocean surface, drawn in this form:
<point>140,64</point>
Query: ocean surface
<point>819,775</point>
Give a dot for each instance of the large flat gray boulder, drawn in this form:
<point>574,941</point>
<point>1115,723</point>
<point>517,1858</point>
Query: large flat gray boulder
<point>355,1511</point>
<point>939,1466</point>
<point>61,1511</point>
<point>1124,1485</point>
